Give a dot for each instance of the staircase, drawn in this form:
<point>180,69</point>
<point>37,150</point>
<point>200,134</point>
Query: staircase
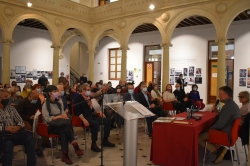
<point>74,77</point>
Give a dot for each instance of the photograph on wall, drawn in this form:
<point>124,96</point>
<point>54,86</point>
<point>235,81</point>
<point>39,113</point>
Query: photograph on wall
<point>185,80</point>
<point>185,71</point>
<point>12,74</point>
<point>178,72</point>
<point>198,71</point>
<point>191,70</point>
<point>130,75</point>
<point>175,79</point>
<point>34,74</point>
<point>20,69</point>
<point>243,72</point>
<point>172,80</point>
<point>21,78</point>
<point>50,73</point>
<point>172,71</point>
<point>248,72</point>
<point>190,80</point>
<point>242,81</point>
<point>39,74</point>
<point>248,82</point>
<point>198,80</point>
<point>29,74</point>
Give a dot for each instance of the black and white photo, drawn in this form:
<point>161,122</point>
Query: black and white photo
<point>185,71</point>
<point>198,80</point>
<point>172,71</point>
<point>191,70</point>
<point>243,72</point>
<point>190,80</point>
<point>242,81</point>
<point>178,72</point>
<point>198,71</point>
<point>172,80</point>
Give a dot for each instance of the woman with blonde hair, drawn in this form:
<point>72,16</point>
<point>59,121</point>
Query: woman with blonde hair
<point>26,91</point>
<point>245,108</point>
<point>15,97</point>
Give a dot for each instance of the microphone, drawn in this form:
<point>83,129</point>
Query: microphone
<point>216,103</point>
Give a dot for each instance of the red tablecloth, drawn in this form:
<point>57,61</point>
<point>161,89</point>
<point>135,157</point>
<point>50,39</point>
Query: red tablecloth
<point>177,144</point>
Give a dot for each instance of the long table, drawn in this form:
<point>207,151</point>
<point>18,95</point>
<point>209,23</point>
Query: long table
<point>177,144</point>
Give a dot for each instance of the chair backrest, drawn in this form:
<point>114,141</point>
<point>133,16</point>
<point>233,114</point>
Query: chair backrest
<point>235,131</point>
<point>167,106</point>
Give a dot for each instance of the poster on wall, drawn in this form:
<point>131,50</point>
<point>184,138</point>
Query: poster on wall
<point>12,74</point>
<point>191,70</point>
<point>50,73</point>
<point>248,72</point>
<point>185,71</point>
<point>130,75</point>
<point>248,82</point>
<point>39,74</point>
<point>21,78</point>
<point>198,71</point>
<point>178,72</point>
<point>242,81</point>
<point>190,80</point>
<point>198,80</point>
<point>243,72</point>
<point>20,69</point>
<point>29,74</point>
<point>172,80</point>
<point>172,71</point>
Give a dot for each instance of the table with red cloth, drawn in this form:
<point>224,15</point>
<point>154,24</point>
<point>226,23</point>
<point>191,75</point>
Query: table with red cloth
<point>177,144</point>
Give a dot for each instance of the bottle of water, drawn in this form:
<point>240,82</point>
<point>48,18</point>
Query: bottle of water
<point>188,114</point>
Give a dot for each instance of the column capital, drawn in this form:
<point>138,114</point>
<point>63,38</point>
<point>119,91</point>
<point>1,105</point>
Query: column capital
<point>91,51</point>
<point>7,41</point>
<point>124,48</point>
<point>55,46</point>
<point>166,45</point>
<point>221,40</point>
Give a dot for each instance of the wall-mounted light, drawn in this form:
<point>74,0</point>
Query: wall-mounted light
<point>29,4</point>
<point>151,6</point>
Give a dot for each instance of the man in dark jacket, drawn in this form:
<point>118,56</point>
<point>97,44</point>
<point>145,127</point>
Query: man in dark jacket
<point>42,80</point>
<point>83,79</point>
<point>180,81</point>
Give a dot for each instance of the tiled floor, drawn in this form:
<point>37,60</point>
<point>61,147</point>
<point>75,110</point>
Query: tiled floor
<point>113,156</point>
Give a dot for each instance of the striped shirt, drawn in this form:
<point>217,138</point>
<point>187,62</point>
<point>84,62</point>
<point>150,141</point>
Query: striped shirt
<point>10,117</point>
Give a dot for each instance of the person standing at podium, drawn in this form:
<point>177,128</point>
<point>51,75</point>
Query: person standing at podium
<point>145,100</point>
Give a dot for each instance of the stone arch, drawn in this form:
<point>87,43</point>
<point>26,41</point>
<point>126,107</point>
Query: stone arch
<point>3,27</point>
<point>76,26</point>
<point>205,12</point>
<point>231,13</point>
<point>22,16</point>
<point>138,21</point>
<point>68,35</point>
<point>110,30</point>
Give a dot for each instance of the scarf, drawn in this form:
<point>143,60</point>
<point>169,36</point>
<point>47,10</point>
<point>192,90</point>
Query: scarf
<point>158,93</point>
<point>48,102</point>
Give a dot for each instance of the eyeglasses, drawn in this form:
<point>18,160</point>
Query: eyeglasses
<point>241,97</point>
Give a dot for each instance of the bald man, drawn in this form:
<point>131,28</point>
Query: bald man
<point>62,98</point>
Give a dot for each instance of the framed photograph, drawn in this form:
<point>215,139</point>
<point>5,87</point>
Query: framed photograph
<point>190,80</point>
<point>39,74</point>
<point>21,78</point>
<point>178,72</point>
<point>185,71</point>
<point>243,72</point>
<point>172,71</point>
<point>185,80</point>
<point>242,81</point>
<point>130,75</point>
<point>12,74</point>
<point>50,73</point>
<point>191,70</point>
<point>175,79</point>
<point>198,80</point>
<point>248,82</point>
<point>198,71</point>
<point>20,69</point>
<point>29,74</point>
<point>171,80</point>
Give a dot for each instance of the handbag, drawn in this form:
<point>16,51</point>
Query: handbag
<point>61,122</point>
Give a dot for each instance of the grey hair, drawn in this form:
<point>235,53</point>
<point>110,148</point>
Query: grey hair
<point>83,86</point>
<point>246,94</point>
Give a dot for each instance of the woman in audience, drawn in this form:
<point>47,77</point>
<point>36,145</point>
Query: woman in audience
<point>38,87</point>
<point>169,97</point>
<point>195,96</point>
<point>137,89</point>
<point>14,96</point>
<point>156,95</point>
<point>52,111</point>
<point>26,91</point>
<point>245,108</point>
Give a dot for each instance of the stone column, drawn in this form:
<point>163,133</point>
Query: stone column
<point>6,61</point>
<point>124,64</point>
<point>221,64</point>
<point>56,50</point>
<point>91,65</point>
<point>165,65</point>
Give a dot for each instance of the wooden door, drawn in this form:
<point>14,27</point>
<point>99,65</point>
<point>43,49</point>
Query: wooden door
<point>212,84</point>
<point>149,72</point>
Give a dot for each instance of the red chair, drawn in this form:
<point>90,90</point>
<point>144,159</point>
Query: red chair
<point>77,122</point>
<point>221,138</point>
<point>168,107</point>
<point>43,131</point>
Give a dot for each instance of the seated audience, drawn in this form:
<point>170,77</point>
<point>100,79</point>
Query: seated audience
<point>144,99</point>
<point>195,96</point>
<point>15,97</point>
<point>169,97</point>
<point>150,86</point>
<point>13,83</point>
<point>137,89</point>
<point>26,91</point>
<point>52,110</point>
<point>62,98</point>
<point>88,115</point>
<point>245,108</point>
<point>27,109</point>
<point>181,96</point>
<point>7,87</point>
<point>38,88</point>
<point>156,95</point>
<point>223,121</point>
<point>130,96</point>
<point>110,89</point>
<point>16,134</point>
<point>90,83</point>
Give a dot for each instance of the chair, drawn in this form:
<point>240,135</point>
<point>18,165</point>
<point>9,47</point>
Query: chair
<point>169,107</point>
<point>199,104</point>
<point>43,131</point>
<point>221,138</point>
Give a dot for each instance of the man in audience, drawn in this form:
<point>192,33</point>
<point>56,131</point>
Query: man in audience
<point>15,134</point>
<point>180,95</point>
<point>110,88</point>
<point>145,100</point>
<point>86,112</point>
<point>27,108</point>
<point>83,79</point>
<point>7,87</point>
<point>223,121</point>
<point>130,96</point>
<point>42,80</point>
<point>13,83</point>
<point>62,98</point>
<point>180,81</point>
<point>62,79</point>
